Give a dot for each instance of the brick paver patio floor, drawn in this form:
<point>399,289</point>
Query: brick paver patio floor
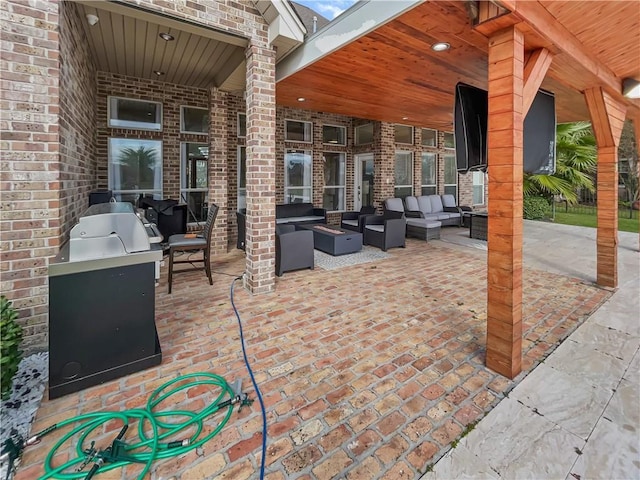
<point>368,371</point>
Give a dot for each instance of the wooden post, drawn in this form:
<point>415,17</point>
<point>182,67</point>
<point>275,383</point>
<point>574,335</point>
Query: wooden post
<point>607,120</point>
<point>504,260</point>
<point>636,129</point>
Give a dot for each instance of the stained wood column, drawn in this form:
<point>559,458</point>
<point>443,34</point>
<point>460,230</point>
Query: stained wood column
<point>636,129</point>
<point>504,261</point>
<point>607,120</point>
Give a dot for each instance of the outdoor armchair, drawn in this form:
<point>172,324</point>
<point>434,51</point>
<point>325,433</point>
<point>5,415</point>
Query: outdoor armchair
<point>385,231</point>
<point>450,205</point>
<point>355,220</point>
<point>294,249</point>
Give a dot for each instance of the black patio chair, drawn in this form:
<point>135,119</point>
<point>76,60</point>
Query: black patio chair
<point>294,249</point>
<point>354,220</point>
<point>385,231</point>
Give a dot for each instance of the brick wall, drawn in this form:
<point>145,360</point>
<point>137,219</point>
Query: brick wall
<point>30,199</point>
<point>77,118</point>
<point>172,97</point>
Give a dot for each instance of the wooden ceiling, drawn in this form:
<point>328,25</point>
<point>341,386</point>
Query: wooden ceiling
<point>392,74</point>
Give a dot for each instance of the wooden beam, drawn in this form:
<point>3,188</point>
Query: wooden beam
<point>504,255</point>
<point>607,120</point>
<point>534,72</point>
<point>546,25</point>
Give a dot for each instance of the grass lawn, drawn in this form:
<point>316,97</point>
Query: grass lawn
<point>625,224</point>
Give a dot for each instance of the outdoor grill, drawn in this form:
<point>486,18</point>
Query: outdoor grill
<point>102,299</point>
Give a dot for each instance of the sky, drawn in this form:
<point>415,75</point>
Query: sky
<point>327,8</point>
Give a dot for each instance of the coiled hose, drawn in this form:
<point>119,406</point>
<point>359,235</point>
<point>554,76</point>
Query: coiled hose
<point>160,433</point>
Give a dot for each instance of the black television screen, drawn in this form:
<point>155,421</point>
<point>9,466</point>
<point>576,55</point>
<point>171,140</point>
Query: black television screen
<point>470,127</point>
<point>539,135</point>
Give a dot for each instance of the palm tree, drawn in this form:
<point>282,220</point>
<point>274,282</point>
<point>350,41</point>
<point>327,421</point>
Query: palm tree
<point>137,168</point>
<point>576,155</point>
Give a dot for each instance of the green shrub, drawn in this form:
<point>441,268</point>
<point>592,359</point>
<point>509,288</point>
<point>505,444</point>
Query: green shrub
<point>10,340</point>
<point>534,208</point>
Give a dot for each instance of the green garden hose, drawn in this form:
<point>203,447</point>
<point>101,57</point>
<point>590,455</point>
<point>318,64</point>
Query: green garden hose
<point>162,433</point>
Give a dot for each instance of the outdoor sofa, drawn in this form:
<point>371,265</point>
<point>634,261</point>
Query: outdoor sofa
<point>300,214</point>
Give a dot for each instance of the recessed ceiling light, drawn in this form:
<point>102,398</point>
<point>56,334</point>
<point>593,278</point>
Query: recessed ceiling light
<point>301,99</point>
<point>158,73</point>
<point>631,88</point>
<point>166,36</point>
<point>405,118</point>
<point>440,47</point>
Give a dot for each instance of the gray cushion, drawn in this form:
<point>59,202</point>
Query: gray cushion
<point>412,204</point>
<point>424,205</point>
<point>394,204</point>
<point>375,228</point>
<point>353,223</point>
<point>310,218</point>
<point>422,223</point>
<point>449,200</point>
<point>436,204</point>
<point>179,240</point>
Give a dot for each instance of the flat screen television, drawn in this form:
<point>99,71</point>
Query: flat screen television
<point>470,130</point>
<point>470,127</point>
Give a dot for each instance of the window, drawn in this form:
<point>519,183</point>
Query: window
<point>242,177</point>
<point>242,125</point>
<point>295,131</point>
<point>135,167</point>
<point>194,180</point>
<point>450,175</point>
<point>194,120</point>
<point>334,181</point>
<point>478,188</point>
<point>135,114</point>
<point>449,140</point>
<point>364,134</point>
<point>403,134</point>
<point>429,185</point>
<point>298,176</point>
<point>429,137</point>
<point>403,174</point>
<point>334,135</point>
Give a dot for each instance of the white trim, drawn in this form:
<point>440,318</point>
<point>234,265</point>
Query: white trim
<point>474,185</point>
<point>309,187</point>
<point>435,158</point>
<point>344,184</point>
<point>132,125</point>
<point>310,141</point>
<point>395,160</point>
<point>355,134</point>
<point>435,145</point>
<point>344,129</point>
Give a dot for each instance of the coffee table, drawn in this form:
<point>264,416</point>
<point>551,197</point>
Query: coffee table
<point>334,240</point>
<point>478,225</point>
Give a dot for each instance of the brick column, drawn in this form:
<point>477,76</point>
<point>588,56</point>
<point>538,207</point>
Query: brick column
<point>261,170</point>
<point>385,162</point>
<point>31,223</point>
<point>504,269</point>
<point>218,169</point>
<point>607,120</point>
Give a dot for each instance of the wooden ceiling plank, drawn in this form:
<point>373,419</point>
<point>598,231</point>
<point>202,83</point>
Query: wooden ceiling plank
<point>129,39</point>
<point>117,42</point>
<point>141,32</point>
<point>184,64</point>
<point>535,70</point>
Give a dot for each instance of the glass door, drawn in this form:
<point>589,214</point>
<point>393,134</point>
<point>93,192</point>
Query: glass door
<point>363,187</point>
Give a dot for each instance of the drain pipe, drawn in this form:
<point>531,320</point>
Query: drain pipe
<point>315,24</point>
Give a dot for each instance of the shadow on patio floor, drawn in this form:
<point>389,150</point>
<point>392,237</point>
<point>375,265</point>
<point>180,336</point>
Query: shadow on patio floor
<point>368,371</point>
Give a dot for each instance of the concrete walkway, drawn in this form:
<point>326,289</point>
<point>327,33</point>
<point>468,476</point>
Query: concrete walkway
<point>577,415</point>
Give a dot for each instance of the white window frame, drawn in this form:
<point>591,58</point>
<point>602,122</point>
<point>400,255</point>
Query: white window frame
<point>132,125</point>
<point>242,191</point>
<point>435,139</point>
<point>343,187</point>
<point>186,190</point>
<point>190,107</point>
<point>452,155</point>
<point>356,134</point>
<point>241,114</point>
<point>427,185</point>
<point>111,174</point>
<point>478,174</point>
<point>395,125</point>
<point>344,134</point>
<point>305,122</point>
<point>410,184</point>
<point>286,176</point>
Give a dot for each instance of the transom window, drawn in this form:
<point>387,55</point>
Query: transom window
<point>363,134</point>
<point>429,137</point>
<point>298,176</point>
<point>333,198</point>
<point>429,176</point>
<point>194,120</point>
<point>450,175</point>
<point>298,131</point>
<point>403,134</point>
<point>449,140</point>
<point>403,174</point>
<point>135,114</point>
<point>135,168</point>
<point>194,180</point>
<point>334,135</point>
